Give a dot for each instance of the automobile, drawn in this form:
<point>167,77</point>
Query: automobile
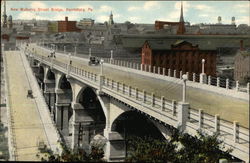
<point>93,61</point>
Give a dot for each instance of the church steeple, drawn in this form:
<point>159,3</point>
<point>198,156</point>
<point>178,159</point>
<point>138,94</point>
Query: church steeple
<point>181,28</point>
<point>111,21</point>
<point>181,17</point>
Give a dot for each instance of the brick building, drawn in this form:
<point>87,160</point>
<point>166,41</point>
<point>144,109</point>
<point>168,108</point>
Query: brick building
<point>67,26</point>
<point>179,56</point>
<point>179,25</point>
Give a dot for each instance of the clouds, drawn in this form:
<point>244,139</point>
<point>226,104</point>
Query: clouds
<point>149,5</point>
<point>202,7</point>
<point>133,8</point>
<point>105,8</point>
<point>38,4</point>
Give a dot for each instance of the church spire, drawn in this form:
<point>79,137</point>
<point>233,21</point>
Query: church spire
<point>111,21</point>
<point>181,17</point>
<point>181,29</point>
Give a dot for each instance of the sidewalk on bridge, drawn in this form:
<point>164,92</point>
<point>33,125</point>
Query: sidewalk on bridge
<point>28,121</point>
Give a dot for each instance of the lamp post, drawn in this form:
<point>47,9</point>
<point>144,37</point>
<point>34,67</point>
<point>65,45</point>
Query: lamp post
<point>75,50</point>
<point>184,78</point>
<point>101,62</point>
<point>203,76</point>
<point>111,56</point>
<point>69,63</point>
<point>89,52</point>
<point>203,65</point>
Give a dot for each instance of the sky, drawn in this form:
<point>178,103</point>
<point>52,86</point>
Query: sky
<point>134,11</point>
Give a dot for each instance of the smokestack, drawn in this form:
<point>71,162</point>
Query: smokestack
<point>233,20</point>
<point>219,19</point>
<point>66,18</point>
<point>241,45</point>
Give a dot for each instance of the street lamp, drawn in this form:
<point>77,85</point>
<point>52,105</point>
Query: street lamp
<point>203,65</point>
<point>111,55</point>
<point>101,62</point>
<point>75,50</point>
<point>69,63</point>
<point>184,78</point>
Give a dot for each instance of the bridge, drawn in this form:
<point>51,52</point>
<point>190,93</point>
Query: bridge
<point>88,100</point>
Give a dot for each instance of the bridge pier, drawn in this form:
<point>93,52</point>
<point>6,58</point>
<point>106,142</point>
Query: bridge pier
<point>62,106</point>
<point>81,127</point>
<point>115,146</point>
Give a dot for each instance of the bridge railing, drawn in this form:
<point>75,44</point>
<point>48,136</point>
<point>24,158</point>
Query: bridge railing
<point>213,81</point>
<point>211,124</point>
<point>146,99</point>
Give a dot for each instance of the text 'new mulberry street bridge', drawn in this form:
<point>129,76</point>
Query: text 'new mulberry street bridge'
<point>122,87</point>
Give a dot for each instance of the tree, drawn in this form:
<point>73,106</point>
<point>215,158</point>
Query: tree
<point>181,147</point>
<point>67,155</point>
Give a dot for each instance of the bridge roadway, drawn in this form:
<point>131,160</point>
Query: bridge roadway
<point>27,123</point>
<point>230,109</point>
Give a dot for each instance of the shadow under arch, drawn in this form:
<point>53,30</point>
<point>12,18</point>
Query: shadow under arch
<point>87,97</point>
<point>40,77</point>
<point>50,75</point>
<point>134,123</point>
<point>93,120</point>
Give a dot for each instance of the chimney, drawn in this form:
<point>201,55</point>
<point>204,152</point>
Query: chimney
<point>66,18</point>
<point>241,45</point>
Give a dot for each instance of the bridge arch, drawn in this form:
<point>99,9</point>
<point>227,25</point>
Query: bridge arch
<point>135,123</point>
<point>90,102</point>
<point>50,75</point>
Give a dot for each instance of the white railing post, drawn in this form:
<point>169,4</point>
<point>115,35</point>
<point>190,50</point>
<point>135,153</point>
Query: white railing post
<point>236,131</point>
<point>193,77</point>
<point>174,73</point>
<point>180,74</point>
<point>169,72</point>
<point>136,93</point>
<point>144,96</point>
<point>209,80</point>
<point>227,83</point>
<point>129,91</point>
<point>200,118</point>
<point>123,88</point>
<point>154,69</point>
<point>218,82</point>
<point>173,107</point>
<point>153,99</point>
<point>164,71</point>
<point>217,123</point>
<point>248,87</point>
<point>117,86</point>
<point>187,73</point>
<point>237,85</point>
<point>162,103</point>
<point>112,84</point>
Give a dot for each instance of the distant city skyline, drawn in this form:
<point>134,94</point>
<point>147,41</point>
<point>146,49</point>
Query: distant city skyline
<point>134,11</point>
